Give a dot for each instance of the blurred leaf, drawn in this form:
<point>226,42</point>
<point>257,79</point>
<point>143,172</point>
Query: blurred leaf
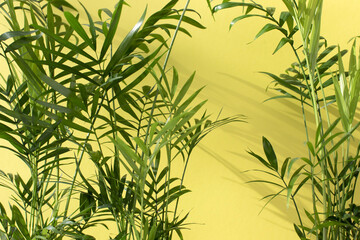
<point>21,42</point>
<point>270,11</point>
<point>311,148</point>
<point>13,34</point>
<point>20,222</point>
<point>61,3</point>
<point>284,16</point>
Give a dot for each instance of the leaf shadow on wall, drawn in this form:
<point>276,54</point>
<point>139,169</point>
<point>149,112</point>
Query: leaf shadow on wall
<point>282,122</point>
<point>278,208</point>
<point>285,115</point>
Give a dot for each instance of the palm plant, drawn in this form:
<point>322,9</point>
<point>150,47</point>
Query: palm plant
<point>331,167</point>
<point>74,95</point>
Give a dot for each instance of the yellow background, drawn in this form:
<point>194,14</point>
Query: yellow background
<point>221,205</point>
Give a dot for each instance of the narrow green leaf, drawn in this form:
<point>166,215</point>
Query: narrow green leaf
<point>174,83</point>
<point>343,139</point>
<point>21,42</point>
<point>342,106</point>
<point>36,85</point>
<point>106,11</point>
<point>13,34</point>
<point>269,27</point>
<point>50,26</point>
<point>291,184</point>
<point>329,63</point>
<point>284,167</point>
<point>289,6</point>
<point>56,86</point>
<point>115,18</point>
<point>226,5</point>
<point>186,19</point>
<point>235,20</point>
<point>69,123</point>
<point>95,101</point>
<point>301,184</point>
<point>54,153</point>
<point>187,102</point>
<point>19,219</point>
<point>313,24</point>
<point>91,26</point>
<point>311,148</point>
<point>283,18</point>
<point>136,67</point>
<point>14,142</point>
<point>270,11</point>
<point>353,60</point>
<point>318,134</point>
<point>152,233</point>
<point>167,128</point>
<point>328,131</point>
<point>325,53</point>
<point>310,217</point>
<point>183,90</point>
<point>55,107</point>
<point>124,46</point>
<point>298,231</point>
<point>266,164</point>
<point>62,3</point>
<point>74,23</point>
<point>282,42</point>
<point>131,157</point>
<point>209,5</point>
<point>270,154</point>
<point>49,132</point>
<point>142,146</point>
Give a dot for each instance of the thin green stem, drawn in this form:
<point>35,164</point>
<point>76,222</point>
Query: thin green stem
<point>307,132</point>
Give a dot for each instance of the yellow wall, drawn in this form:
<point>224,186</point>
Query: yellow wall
<point>221,205</point>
